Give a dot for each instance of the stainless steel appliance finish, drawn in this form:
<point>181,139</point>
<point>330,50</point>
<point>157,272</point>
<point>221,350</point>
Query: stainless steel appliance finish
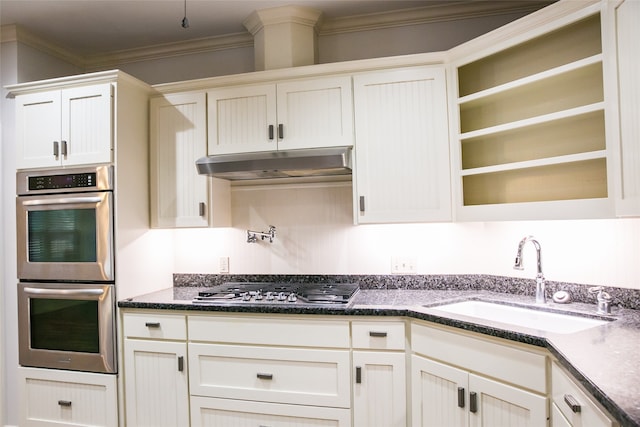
<point>67,326</point>
<point>65,224</point>
<point>278,164</point>
<point>339,295</point>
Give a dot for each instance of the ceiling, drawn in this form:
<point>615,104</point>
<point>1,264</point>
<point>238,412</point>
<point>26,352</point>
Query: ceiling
<point>89,27</point>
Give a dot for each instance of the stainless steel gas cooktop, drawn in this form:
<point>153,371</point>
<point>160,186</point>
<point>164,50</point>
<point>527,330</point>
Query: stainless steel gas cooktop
<point>268,293</point>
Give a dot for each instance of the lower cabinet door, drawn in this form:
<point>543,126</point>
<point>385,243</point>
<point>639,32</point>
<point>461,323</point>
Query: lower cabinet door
<point>446,396</point>
<point>214,412</point>
<point>379,389</point>
<point>50,397</point>
<point>439,394</point>
<point>495,404</point>
<point>156,387</point>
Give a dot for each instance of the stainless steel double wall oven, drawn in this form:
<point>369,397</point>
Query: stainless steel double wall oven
<point>66,269</point>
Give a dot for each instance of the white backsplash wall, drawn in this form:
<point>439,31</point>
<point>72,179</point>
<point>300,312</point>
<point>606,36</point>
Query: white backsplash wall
<point>316,235</point>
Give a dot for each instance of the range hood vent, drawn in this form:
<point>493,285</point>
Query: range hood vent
<point>278,164</point>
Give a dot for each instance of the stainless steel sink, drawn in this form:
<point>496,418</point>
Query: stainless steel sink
<point>522,316</point>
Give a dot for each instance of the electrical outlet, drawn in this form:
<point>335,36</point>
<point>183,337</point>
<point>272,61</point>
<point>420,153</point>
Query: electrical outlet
<point>403,265</point>
<point>224,264</point>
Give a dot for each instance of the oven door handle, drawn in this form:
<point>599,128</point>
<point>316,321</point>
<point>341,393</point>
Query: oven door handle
<point>74,292</point>
<point>62,201</point>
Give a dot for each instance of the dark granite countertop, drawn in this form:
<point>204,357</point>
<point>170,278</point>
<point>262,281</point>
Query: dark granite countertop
<point>604,359</point>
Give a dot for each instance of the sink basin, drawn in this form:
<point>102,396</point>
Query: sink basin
<point>521,316</point>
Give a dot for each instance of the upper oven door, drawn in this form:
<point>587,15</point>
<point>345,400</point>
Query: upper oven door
<point>65,237</point>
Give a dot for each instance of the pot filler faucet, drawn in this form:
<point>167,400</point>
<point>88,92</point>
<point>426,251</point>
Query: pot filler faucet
<point>541,297</point>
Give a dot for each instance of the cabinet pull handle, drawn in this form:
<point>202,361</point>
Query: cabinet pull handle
<point>473,402</point>
<point>264,376</point>
<point>152,324</point>
<point>270,132</point>
<point>180,363</point>
<point>461,397</point>
<point>65,403</point>
<point>64,148</point>
<point>281,131</point>
<point>358,375</point>
<point>56,149</point>
<point>573,403</point>
<point>361,203</point>
<point>377,334</point>
<point>202,208</point>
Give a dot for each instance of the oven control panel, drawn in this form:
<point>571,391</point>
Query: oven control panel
<point>55,182</point>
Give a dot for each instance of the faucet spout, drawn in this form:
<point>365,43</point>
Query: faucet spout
<point>541,297</point>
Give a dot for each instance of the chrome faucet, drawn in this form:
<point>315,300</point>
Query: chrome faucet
<point>541,297</point>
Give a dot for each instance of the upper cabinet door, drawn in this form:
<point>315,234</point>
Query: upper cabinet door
<point>402,146</point>
<point>623,67</point>
<point>64,127</point>
<point>178,138</point>
<point>315,113</point>
<point>38,130</point>
<point>87,124</point>
<point>242,119</point>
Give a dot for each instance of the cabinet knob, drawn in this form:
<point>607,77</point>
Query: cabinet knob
<point>180,363</point>
<point>358,375</point>
<point>152,324</point>
<point>460,397</point>
<point>473,402</point>
<point>64,403</point>
<point>377,334</point>
<point>56,149</point>
<point>270,132</point>
<point>63,148</point>
<point>280,131</point>
<point>202,208</point>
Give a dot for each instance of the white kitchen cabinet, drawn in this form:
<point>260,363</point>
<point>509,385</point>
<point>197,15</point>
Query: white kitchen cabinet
<point>445,395</point>
<point>180,197</point>
<point>464,380</point>
<point>50,397</point>
<point>64,127</point>
<point>155,370</point>
<point>288,115</point>
<point>529,140</point>
<point>211,412</point>
<point>621,31</point>
<point>379,389</point>
<point>572,406</point>
<point>402,146</point>
<point>275,371</point>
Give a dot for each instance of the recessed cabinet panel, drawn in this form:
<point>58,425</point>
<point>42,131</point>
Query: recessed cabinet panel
<point>571,135</point>
<point>563,46</point>
<point>579,180</point>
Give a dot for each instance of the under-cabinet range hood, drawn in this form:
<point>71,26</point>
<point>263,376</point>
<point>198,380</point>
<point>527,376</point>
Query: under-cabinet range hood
<point>278,164</point>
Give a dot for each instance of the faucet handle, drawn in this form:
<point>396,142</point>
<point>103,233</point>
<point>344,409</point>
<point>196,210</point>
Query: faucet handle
<point>603,299</point>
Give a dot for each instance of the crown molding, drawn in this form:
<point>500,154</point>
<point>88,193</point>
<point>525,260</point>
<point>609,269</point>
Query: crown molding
<point>427,14</point>
<point>15,33</point>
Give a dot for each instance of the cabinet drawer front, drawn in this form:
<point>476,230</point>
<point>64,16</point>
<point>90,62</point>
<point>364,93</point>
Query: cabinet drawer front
<point>270,331</point>
<point>378,335</point>
<point>67,398</point>
<point>285,375</point>
<point>566,392</point>
<point>156,326</point>
<point>211,412</point>
<point>520,367</point>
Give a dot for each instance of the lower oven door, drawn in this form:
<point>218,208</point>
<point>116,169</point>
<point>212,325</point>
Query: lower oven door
<point>67,326</point>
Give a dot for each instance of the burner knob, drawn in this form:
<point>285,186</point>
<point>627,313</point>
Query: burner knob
<point>246,296</point>
<point>292,297</point>
<point>258,295</point>
<point>281,296</point>
<point>269,296</point>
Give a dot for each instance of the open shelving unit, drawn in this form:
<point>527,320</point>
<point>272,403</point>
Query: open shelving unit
<point>532,127</point>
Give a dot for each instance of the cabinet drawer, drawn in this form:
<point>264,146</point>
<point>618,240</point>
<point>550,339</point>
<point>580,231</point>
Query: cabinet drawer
<point>378,335</point>
<point>284,375</point>
<point>566,392</point>
<point>283,331</point>
<point>211,412</point>
<point>52,397</point>
<point>156,326</point>
<point>520,367</point>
